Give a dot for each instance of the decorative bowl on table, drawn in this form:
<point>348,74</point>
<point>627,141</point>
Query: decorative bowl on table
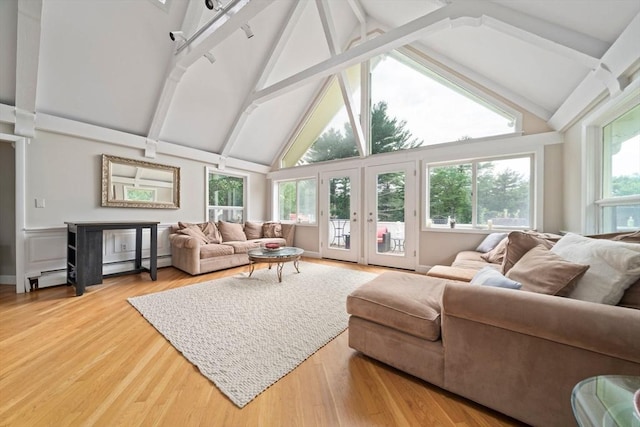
<point>272,247</point>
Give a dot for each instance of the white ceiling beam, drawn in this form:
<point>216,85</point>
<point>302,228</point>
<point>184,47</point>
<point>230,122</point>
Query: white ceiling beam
<point>27,62</point>
<point>585,49</point>
<point>546,35</point>
<point>275,51</point>
<point>609,77</point>
<point>361,16</point>
<point>211,37</point>
<point>390,40</point>
<point>343,81</point>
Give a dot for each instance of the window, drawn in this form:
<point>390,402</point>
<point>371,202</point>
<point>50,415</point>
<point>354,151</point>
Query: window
<point>297,201</point>
<point>327,133</point>
<point>226,198</point>
<point>411,106</point>
<point>422,107</point>
<point>494,193</point>
<point>619,203</point>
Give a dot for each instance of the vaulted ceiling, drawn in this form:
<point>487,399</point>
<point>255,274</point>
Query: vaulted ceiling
<point>111,63</point>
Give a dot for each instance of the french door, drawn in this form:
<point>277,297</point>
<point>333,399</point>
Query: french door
<point>340,224</point>
<point>391,215</point>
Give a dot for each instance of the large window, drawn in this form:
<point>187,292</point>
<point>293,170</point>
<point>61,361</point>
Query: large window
<point>481,193</point>
<point>619,203</point>
<point>410,106</point>
<point>226,197</point>
<point>297,201</point>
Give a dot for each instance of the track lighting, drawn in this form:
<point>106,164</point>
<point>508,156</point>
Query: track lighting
<point>210,57</point>
<point>177,35</point>
<point>247,30</point>
<point>213,4</point>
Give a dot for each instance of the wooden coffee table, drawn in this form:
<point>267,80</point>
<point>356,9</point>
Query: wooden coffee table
<point>277,257</point>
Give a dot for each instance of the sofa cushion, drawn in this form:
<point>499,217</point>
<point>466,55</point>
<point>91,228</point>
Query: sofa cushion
<point>544,272</point>
<point>209,229</point>
<point>272,229</point>
<point>253,230</point>
<point>490,242</point>
<point>631,297</point>
<point>518,244</point>
<point>614,266</point>
<point>406,302</point>
<point>452,273</point>
<point>488,276</point>
<point>231,232</point>
<point>214,249</point>
<point>472,260</point>
<point>496,255</point>
<point>242,247</point>
<point>195,232</point>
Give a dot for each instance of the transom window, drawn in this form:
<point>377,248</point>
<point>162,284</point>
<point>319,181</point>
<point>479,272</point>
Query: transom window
<point>297,201</point>
<point>411,106</point>
<point>226,197</point>
<point>481,193</point>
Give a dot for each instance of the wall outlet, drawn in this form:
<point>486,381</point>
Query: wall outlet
<point>40,203</point>
<point>123,247</point>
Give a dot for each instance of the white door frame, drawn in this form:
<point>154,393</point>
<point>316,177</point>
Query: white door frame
<point>354,224</point>
<point>407,258</point>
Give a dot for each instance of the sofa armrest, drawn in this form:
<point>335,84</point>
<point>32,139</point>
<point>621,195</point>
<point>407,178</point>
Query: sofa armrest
<point>604,329</point>
<point>184,241</point>
<point>288,233</point>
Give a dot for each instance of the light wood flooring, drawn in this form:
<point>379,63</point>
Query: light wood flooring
<point>94,361</point>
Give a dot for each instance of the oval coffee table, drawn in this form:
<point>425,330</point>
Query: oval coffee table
<point>278,257</point>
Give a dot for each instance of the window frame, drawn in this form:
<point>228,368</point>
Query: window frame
<point>533,185</point>
<point>593,162</point>
<point>276,200</point>
<point>245,185</point>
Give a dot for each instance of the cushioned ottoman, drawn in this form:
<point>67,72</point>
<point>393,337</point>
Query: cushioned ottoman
<point>395,318</point>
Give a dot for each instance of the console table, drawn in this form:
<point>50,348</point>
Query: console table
<point>84,251</point>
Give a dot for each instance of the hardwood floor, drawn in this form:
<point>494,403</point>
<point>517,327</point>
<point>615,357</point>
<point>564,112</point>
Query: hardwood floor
<point>94,361</point>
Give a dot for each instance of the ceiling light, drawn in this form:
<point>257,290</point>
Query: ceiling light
<point>210,57</point>
<point>177,35</point>
<point>213,4</point>
<point>247,30</point>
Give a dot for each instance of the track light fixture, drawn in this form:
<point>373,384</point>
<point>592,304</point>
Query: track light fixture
<point>247,30</point>
<point>210,57</point>
<point>213,4</point>
<point>177,35</point>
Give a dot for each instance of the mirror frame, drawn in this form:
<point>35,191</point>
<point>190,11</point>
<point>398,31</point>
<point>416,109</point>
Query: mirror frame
<point>107,201</point>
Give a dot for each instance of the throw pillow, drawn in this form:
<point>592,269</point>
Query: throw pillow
<point>211,231</point>
<point>490,242</point>
<point>496,255</point>
<point>631,297</point>
<point>488,276</point>
<point>614,266</point>
<point>518,244</point>
<point>544,272</point>
<point>253,230</point>
<point>195,232</point>
<point>272,229</point>
<point>231,232</point>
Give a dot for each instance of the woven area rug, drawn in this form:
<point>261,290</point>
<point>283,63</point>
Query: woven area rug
<point>245,333</point>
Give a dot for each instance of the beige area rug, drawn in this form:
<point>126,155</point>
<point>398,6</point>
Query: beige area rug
<point>245,333</point>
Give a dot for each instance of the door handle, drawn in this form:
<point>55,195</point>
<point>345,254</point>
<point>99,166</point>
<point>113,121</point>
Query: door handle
<point>369,220</point>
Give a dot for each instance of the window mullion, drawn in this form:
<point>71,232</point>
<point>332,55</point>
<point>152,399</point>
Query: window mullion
<point>474,194</point>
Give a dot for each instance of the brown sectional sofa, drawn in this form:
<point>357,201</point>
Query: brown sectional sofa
<point>518,352</point>
<point>198,248</point>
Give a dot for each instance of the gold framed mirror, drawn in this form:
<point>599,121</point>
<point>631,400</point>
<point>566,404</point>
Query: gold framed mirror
<point>129,183</point>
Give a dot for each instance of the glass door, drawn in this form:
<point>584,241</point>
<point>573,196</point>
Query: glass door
<point>340,228</point>
<point>391,216</point>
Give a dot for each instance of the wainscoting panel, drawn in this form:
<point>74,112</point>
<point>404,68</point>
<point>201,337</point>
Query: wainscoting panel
<point>46,253</point>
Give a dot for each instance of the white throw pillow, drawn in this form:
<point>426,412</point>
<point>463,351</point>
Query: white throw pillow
<point>614,266</point>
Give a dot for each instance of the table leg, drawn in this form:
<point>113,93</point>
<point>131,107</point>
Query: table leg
<point>251,264</point>
<point>295,264</point>
<point>279,270</point>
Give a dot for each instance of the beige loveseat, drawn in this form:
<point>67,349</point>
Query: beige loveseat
<point>515,351</point>
<point>198,248</point>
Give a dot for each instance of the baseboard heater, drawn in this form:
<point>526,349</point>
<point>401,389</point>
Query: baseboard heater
<point>58,277</point>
